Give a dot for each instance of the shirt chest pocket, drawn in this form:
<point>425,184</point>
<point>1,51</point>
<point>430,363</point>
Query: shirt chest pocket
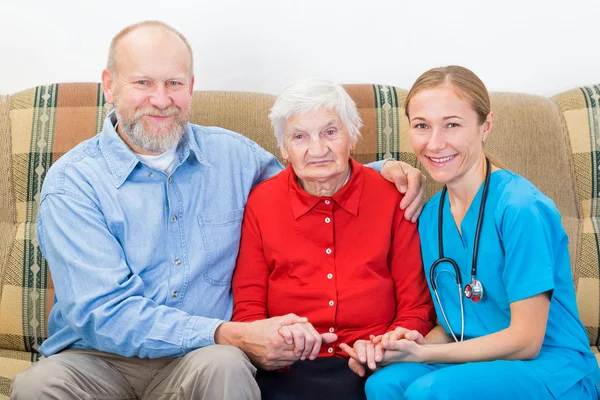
<point>221,241</point>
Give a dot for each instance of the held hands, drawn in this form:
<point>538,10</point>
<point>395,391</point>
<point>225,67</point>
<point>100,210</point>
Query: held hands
<point>305,339</point>
<point>409,181</point>
<point>399,345</point>
<point>265,347</point>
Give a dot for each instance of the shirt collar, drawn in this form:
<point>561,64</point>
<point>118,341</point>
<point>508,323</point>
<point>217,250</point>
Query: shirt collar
<point>348,197</point>
<point>121,159</point>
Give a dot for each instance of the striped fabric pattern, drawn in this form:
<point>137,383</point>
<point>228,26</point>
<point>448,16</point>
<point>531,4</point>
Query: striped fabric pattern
<point>581,112</point>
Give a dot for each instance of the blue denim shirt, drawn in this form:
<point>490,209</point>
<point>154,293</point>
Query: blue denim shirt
<point>141,261</point>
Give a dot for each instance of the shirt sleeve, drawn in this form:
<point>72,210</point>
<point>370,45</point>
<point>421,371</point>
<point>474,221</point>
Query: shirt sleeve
<point>99,296</point>
<point>527,229</point>
<point>251,276</point>
<point>266,164</point>
<point>414,308</point>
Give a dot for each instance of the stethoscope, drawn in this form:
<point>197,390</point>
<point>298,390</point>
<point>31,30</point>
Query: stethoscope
<point>474,289</point>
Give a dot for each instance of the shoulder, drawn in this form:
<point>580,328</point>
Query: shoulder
<point>378,185</point>
<point>430,210</point>
<point>519,198</point>
<point>220,139</point>
<point>73,171</point>
<point>269,191</point>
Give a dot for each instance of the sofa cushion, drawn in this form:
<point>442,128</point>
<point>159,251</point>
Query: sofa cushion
<point>580,109</point>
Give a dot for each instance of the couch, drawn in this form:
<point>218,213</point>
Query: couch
<point>554,142</point>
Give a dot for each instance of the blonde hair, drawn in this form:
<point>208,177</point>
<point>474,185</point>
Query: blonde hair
<point>112,51</point>
<point>467,85</point>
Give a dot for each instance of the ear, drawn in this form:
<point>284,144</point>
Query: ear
<point>487,126</point>
<point>284,154</point>
<point>107,86</point>
<point>192,81</point>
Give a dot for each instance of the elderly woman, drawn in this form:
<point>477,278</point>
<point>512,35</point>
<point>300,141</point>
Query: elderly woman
<point>326,239</point>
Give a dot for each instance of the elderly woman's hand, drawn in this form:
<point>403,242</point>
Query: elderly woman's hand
<point>306,340</point>
<point>364,352</point>
<point>409,181</point>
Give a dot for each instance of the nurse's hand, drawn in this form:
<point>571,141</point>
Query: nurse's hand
<point>409,181</point>
<point>404,351</point>
<point>399,333</point>
<point>306,340</point>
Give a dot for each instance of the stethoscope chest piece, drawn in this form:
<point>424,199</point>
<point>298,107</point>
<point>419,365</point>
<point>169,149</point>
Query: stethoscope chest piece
<point>474,290</point>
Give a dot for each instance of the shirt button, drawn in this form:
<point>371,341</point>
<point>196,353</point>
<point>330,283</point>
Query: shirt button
<point>327,220</point>
<point>331,303</point>
<point>330,350</point>
<point>329,276</point>
<point>170,179</point>
<point>174,218</point>
<point>175,294</point>
<point>331,330</point>
<point>328,251</point>
<point>327,202</point>
<point>177,261</point>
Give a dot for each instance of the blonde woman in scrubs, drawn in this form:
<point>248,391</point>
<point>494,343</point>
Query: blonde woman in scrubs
<point>522,338</point>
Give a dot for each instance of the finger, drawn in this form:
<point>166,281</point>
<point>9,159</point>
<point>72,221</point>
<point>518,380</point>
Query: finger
<point>357,368</point>
<point>286,334</point>
<point>350,351</point>
<point>415,336</point>
<point>416,188</point>
<point>378,352</point>
<point>359,348</point>
<point>298,333</point>
<point>398,333</point>
<point>290,319</point>
<point>417,213</point>
<point>328,337</point>
<point>312,344</point>
<point>376,339</point>
<point>370,352</point>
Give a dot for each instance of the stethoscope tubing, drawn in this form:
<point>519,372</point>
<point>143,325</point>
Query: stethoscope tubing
<point>443,259</point>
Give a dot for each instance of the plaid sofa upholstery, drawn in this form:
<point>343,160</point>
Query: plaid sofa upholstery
<point>553,142</point>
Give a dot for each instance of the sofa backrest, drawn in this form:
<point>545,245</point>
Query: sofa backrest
<point>528,136</point>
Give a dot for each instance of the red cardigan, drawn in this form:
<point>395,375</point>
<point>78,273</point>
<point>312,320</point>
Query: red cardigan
<point>350,263</point>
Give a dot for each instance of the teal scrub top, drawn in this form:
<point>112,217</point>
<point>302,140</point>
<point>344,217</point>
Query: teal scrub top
<point>523,251</point>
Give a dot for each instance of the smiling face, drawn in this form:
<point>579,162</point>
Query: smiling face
<point>151,89</point>
<point>318,146</point>
<point>446,134</point>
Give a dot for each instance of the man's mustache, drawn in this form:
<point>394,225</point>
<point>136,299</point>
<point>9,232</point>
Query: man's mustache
<point>170,111</point>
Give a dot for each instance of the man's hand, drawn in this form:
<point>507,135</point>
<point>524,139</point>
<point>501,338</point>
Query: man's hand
<point>409,181</point>
<point>306,340</point>
<point>261,341</point>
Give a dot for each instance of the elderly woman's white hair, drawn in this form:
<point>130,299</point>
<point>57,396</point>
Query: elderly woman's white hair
<point>309,96</point>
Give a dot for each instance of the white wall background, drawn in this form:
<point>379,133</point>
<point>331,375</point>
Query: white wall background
<point>541,47</point>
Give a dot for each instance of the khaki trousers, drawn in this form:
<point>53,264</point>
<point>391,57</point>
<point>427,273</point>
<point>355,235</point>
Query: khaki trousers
<point>210,373</point>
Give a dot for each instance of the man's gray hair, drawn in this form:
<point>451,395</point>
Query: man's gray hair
<point>311,95</point>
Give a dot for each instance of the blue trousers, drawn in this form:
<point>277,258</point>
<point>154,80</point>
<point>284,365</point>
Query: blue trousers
<point>483,380</point>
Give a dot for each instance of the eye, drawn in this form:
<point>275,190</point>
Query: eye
<point>143,82</point>
<point>453,125</point>
<point>174,83</point>
<point>297,136</point>
<point>330,132</point>
<point>420,126</point>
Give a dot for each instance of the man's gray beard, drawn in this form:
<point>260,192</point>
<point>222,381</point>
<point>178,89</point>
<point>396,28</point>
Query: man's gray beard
<point>154,143</point>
